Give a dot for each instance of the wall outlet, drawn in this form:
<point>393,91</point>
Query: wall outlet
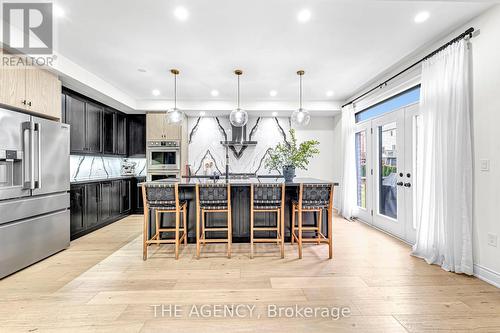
<point>485,165</point>
<point>492,240</point>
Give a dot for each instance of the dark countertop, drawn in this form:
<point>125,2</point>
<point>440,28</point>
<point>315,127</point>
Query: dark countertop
<point>86,180</point>
<point>191,182</point>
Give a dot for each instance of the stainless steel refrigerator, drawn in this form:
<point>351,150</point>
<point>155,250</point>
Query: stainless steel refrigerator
<point>34,189</point>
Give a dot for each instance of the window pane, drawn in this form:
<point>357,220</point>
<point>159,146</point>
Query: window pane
<point>405,98</point>
<point>361,168</point>
<point>388,170</point>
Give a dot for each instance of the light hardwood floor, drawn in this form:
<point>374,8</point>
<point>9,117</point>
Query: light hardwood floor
<point>101,284</point>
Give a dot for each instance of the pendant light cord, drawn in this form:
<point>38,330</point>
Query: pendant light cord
<point>238,98</point>
<point>300,95</point>
<point>175,91</point>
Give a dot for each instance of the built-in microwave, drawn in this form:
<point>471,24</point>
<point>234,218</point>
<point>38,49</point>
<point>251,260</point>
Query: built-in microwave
<point>163,155</point>
<point>163,175</point>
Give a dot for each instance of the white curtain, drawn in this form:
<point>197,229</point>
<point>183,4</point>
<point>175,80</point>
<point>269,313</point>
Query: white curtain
<point>348,204</point>
<point>444,189</point>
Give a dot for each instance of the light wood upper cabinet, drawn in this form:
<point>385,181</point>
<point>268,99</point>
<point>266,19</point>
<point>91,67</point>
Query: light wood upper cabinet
<point>154,126</point>
<point>43,92</point>
<point>158,128</point>
<point>172,132</point>
<point>32,89</point>
<point>13,85</point>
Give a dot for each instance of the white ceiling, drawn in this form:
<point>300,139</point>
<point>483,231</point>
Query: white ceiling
<point>344,45</point>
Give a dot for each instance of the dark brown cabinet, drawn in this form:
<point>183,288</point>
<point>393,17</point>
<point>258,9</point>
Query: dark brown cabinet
<point>125,204</point>
<point>108,132</point>
<point>106,201</point>
<point>96,204</point>
<point>92,205</point>
<point>86,120</point>
<point>97,129</point>
<point>120,134</point>
<point>77,215</point>
<point>75,116</point>
<point>136,135</point>
<point>136,196</point>
<point>93,127</point>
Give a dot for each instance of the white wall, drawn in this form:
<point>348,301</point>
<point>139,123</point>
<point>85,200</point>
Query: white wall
<point>486,144</point>
<point>326,164</point>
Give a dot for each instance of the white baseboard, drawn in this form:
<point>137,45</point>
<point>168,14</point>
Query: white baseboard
<point>487,275</point>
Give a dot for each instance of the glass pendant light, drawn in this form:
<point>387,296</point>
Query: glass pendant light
<point>301,116</point>
<point>238,116</point>
<point>174,115</point>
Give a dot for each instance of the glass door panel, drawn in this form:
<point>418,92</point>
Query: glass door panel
<point>387,159</point>
<point>388,142</point>
<point>361,168</point>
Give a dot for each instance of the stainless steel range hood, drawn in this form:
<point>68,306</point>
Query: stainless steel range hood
<point>238,137</point>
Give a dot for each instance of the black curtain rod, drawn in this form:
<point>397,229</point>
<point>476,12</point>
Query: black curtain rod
<point>467,32</point>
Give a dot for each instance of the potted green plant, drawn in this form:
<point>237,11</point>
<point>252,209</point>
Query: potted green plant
<point>288,156</point>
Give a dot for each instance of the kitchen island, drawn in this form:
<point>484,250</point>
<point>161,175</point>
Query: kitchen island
<point>240,205</point>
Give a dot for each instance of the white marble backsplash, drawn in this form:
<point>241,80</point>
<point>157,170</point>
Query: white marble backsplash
<point>205,149</point>
<point>88,166</point>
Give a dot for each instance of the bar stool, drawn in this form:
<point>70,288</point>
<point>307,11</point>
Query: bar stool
<point>268,198</point>
<point>313,198</point>
<point>163,198</point>
<point>213,198</point>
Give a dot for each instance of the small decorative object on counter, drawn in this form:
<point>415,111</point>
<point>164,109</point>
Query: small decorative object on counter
<point>128,168</point>
<point>289,155</point>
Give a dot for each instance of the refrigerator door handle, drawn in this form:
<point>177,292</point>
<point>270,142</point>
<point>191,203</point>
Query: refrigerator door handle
<point>38,129</point>
<point>30,183</point>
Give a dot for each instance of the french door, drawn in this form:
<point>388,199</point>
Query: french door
<point>386,164</point>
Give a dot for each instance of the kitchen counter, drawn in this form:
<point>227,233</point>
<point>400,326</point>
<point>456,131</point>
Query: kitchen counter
<point>86,180</point>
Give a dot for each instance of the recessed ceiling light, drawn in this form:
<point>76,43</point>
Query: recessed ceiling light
<point>273,93</point>
<point>329,93</point>
<point>181,13</point>
<point>422,17</point>
<point>155,92</point>
<point>274,114</point>
<point>58,11</point>
<point>202,113</point>
<point>304,15</point>
<point>214,93</point>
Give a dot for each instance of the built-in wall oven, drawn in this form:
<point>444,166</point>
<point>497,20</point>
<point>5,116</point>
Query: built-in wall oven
<point>163,155</point>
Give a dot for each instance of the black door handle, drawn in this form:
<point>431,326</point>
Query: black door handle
<point>407,184</point>
<point>399,183</point>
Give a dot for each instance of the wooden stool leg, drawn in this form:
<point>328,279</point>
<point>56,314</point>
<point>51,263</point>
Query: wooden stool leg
<point>229,232</point>
<point>184,217</point>
<point>197,232</point>
<point>292,229</point>
<point>203,226</point>
<point>300,233</point>
<point>282,234</point>
<point>320,219</point>
<point>177,234</point>
<point>251,233</point>
<point>330,233</point>
<point>157,223</point>
<point>145,235</point>
<point>278,228</point>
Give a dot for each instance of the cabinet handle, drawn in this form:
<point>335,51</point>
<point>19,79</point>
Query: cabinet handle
<point>23,102</point>
<point>29,103</point>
